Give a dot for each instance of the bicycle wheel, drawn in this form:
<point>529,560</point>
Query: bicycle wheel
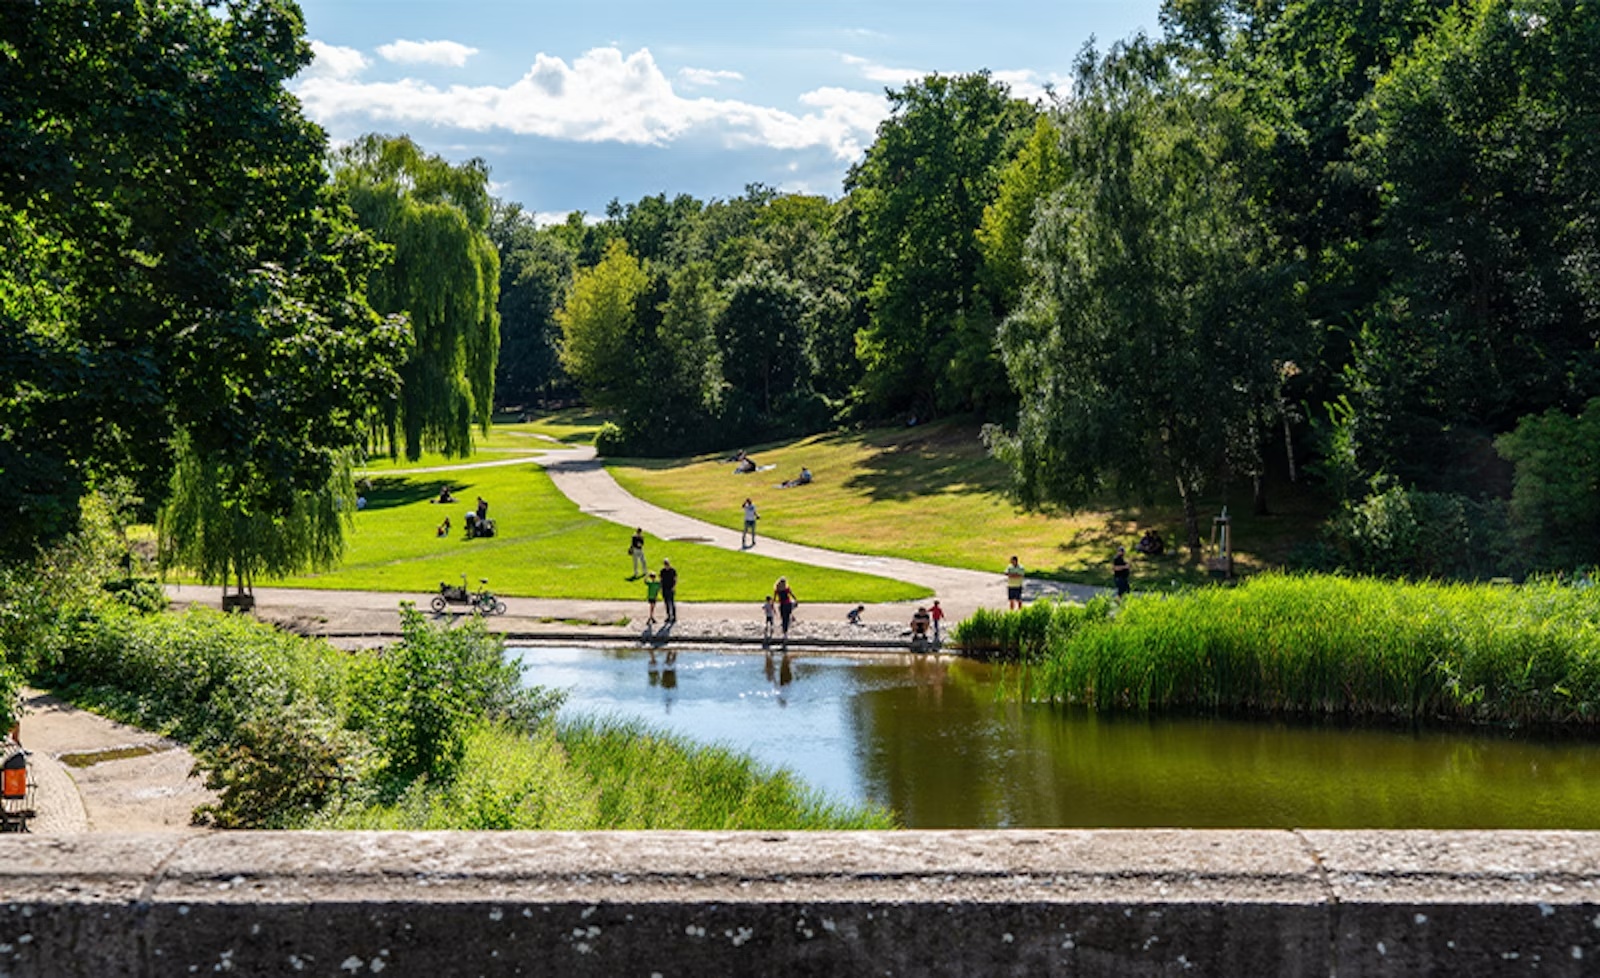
<point>499,607</point>
<point>438,604</point>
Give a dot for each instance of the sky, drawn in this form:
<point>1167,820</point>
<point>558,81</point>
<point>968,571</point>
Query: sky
<point>575,104</point>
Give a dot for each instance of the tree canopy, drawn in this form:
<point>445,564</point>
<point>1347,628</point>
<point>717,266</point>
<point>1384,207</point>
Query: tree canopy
<point>443,273</point>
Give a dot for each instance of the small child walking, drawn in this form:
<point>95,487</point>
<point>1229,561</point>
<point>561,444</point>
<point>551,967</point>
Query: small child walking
<point>767,608</point>
<point>937,614</point>
<point>652,591</point>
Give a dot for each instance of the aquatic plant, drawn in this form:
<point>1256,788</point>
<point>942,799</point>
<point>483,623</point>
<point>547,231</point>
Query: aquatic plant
<point>1338,645</point>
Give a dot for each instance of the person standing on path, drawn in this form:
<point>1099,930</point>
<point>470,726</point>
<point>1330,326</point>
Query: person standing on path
<point>750,517</point>
<point>669,590</point>
<point>1119,571</point>
<point>636,550</point>
<point>936,613</point>
<point>652,590</point>
<point>1015,578</point>
<point>785,596</point>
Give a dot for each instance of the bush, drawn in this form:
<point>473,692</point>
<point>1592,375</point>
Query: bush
<point>277,770</point>
<point>1404,532</point>
<point>609,440</point>
<point>1024,635</point>
<point>1555,505</point>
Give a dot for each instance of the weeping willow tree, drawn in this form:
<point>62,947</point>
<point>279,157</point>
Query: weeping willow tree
<point>223,524</point>
<point>444,274</point>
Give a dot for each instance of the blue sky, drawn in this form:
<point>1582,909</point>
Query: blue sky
<point>573,104</point>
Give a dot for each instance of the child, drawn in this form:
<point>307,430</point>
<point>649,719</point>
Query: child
<point>937,614</point>
<point>652,591</point>
<point>444,528</point>
<point>854,615</point>
<point>767,608</point>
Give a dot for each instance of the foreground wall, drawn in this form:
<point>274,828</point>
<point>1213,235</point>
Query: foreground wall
<point>872,903</point>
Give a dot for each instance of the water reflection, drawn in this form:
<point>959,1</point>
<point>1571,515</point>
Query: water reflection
<point>934,740</point>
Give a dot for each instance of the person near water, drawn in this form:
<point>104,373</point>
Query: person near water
<point>636,551</point>
<point>1015,578</point>
<point>919,626</point>
<point>1120,571</point>
<point>652,591</point>
<point>768,610</point>
<point>669,590</point>
<point>750,517</point>
<point>786,598</point>
<point>853,616</point>
<point>936,615</point>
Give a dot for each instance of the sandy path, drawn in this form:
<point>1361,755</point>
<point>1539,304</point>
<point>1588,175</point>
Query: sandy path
<point>151,791</point>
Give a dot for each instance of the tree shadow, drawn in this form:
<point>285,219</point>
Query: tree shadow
<point>387,492</point>
<point>941,458</point>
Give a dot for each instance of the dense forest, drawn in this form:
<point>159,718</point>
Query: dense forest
<point>1350,243</point>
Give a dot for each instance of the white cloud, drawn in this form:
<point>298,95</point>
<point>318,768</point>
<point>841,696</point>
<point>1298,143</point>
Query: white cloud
<point>447,53</point>
<point>1033,86</point>
<point>603,96</point>
<point>706,77</point>
<point>895,77</point>
<point>332,61</point>
<point>545,219</point>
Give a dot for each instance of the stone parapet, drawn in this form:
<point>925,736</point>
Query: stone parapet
<point>613,904</point>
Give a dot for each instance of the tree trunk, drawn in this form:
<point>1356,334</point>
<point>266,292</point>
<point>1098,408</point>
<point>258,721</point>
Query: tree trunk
<point>1288,443</point>
<point>1191,517</point>
<point>1260,502</point>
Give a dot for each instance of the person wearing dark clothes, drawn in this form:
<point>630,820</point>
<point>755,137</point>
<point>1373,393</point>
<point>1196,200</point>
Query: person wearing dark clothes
<point>786,601</point>
<point>1119,571</point>
<point>636,551</point>
<point>669,590</point>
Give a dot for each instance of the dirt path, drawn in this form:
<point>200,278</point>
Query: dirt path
<point>95,775</point>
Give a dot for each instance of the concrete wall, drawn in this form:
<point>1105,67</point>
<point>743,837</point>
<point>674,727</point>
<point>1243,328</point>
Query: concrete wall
<point>1077,903</point>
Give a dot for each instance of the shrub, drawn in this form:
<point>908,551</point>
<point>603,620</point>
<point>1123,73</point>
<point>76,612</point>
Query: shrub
<point>278,770</point>
<point>1555,505</point>
<point>609,440</point>
<point>1408,533</point>
<point>1027,634</point>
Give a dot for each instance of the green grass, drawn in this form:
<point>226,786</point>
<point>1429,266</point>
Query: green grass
<point>932,493</point>
<point>1334,645</point>
<point>546,548</point>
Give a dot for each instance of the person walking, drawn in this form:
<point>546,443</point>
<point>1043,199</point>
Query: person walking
<point>768,610</point>
<point>652,591</point>
<point>1015,578</point>
<point>1120,571</point>
<point>936,613</point>
<point>785,596</point>
<point>636,551</point>
<point>750,517</point>
<point>669,590</point>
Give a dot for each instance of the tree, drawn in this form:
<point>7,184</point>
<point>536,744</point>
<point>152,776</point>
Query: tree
<point>173,261</point>
<point>1154,318</point>
<point>598,319</point>
<point>535,268</point>
<point>444,275</point>
<point>916,203</point>
<point>761,329</point>
<point>1039,170</point>
<point>221,523</point>
<point>1481,146</point>
<point>1555,499</point>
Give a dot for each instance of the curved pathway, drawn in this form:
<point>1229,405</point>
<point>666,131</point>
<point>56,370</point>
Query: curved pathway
<point>583,478</point>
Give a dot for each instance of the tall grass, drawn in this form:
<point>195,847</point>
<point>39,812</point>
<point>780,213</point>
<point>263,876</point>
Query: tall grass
<point>1334,645</point>
<point>1028,634</point>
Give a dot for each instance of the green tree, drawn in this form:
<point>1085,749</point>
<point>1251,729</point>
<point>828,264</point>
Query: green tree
<point>1154,317</point>
<point>916,203</point>
<point>444,274</point>
<point>1555,499</point>
<point>1039,170</point>
<point>535,269</point>
<point>598,320</point>
<point>1482,146</point>
<point>762,330</point>
<point>173,259</point>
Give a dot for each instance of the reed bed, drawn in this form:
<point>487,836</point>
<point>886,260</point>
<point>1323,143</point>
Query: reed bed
<point>1337,645</point>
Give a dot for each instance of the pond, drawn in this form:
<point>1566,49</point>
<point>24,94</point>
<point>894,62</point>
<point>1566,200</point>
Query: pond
<point>932,739</point>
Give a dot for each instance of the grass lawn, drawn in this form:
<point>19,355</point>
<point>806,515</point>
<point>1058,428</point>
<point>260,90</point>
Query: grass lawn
<point>507,439</point>
<point>547,548</point>
<point>933,493</point>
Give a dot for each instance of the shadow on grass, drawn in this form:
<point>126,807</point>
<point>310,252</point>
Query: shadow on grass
<point>387,492</point>
<point>943,459</point>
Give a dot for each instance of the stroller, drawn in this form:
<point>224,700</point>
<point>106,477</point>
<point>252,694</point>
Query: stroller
<point>479,526</point>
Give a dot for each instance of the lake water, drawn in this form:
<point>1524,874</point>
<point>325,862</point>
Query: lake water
<point>934,741</point>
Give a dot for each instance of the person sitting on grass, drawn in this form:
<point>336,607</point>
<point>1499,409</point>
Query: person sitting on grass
<point>746,465</point>
<point>1151,544</point>
<point>444,495</point>
<point>803,479</point>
